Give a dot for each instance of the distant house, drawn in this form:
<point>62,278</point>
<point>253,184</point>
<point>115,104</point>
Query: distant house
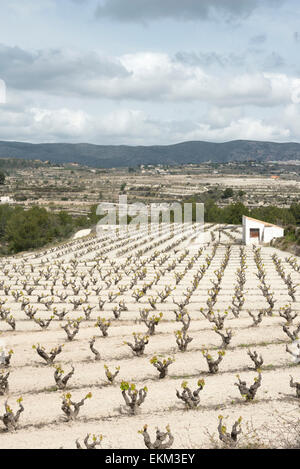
<point>6,200</point>
<point>258,231</point>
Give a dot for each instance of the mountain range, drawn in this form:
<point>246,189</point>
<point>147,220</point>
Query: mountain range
<point>110,156</point>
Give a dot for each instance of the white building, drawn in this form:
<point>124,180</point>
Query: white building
<point>6,200</point>
<point>257,231</point>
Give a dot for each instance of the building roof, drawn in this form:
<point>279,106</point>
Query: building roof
<point>263,222</point>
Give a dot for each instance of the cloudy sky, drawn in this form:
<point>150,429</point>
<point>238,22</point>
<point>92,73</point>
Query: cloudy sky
<point>149,71</point>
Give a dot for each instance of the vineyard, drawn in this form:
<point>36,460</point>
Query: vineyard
<point>148,339</point>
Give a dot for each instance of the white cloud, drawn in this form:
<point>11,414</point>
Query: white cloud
<point>50,125</point>
<point>172,80</point>
<point>133,126</point>
<point>241,129</point>
<point>61,122</point>
<point>143,76</point>
<point>219,118</point>
<point>227,105</point>
<point>291,119</point>
<point>2,92</point>
<point>159,77</point>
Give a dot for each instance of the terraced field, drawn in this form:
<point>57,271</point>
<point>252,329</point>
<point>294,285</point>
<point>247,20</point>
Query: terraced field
<point>198,284</point>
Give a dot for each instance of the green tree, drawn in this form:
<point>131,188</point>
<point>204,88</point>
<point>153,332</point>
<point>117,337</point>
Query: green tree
<point>295,211</point>
<point>93,218</point>
<point>2,178</point>
<point>5,213</point>
<point>227,193</point>
<point>233,213</point>
<point>212,213</point>
<point>31,229</point>
<point>275,215</point>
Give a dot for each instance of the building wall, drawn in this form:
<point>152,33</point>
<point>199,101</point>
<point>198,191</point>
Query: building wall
<point>272,232</point>
<point>266,233</point>
<point>6,200</point>
<point>247,224</point>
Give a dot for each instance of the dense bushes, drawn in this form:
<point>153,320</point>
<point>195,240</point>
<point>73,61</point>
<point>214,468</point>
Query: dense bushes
<point>292,234</point>
<point>276,215</point>
<point>5,213</point>
<point>34,228</point>
<point>29,229</point>
<point>233,213</point>
<point>2,178</point>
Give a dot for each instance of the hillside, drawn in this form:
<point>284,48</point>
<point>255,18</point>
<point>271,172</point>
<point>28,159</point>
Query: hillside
<point>115,344</point>
<point>108,156</point>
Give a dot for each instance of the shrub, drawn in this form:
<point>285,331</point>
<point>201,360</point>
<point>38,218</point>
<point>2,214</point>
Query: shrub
<point>249,392</point>
<point>182,340</point>
<point>61,382</point>
<point>159,442</point>
<point>213,365</point>
<point>191,399</point>
<point>11,419</point>
<point>71,409</point>
<point>111,376</point>
<point>48,357</point>
<point>257,360</point>
<point>4,386</point>
<point>5,358</point>
<point>139,345</point>
<point>226,338</point>
<point>95,351</point>
<point>103,325</point>
<point>161,365</point>
<point>96,441</point>
<point>72,328</point>
<point>229,439</point>
<point>294,384</point>
<point>132,397</point>
<point>151,322</point>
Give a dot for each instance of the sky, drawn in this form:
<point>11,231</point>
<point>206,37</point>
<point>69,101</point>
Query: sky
<point>148,72</point>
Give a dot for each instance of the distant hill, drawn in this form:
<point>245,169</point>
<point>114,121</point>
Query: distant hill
<point>109,156</point>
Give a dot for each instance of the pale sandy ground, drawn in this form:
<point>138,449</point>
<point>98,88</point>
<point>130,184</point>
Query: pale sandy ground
<point>42,424</point>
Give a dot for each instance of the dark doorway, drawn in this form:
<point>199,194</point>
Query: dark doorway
<point>254,232</point>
